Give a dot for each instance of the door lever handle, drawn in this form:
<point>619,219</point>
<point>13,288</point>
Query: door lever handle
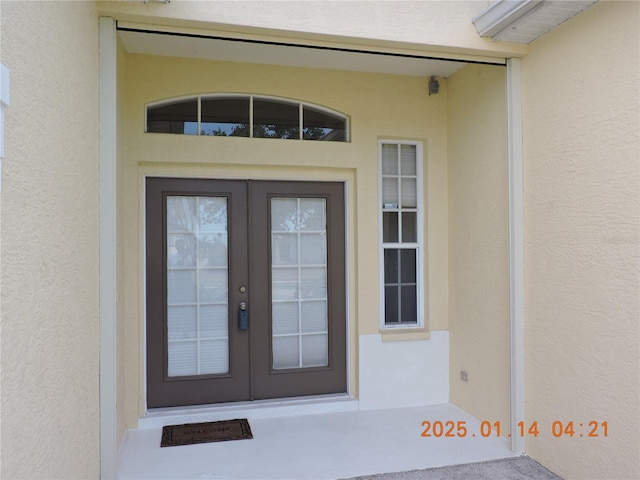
<point>243,316</point>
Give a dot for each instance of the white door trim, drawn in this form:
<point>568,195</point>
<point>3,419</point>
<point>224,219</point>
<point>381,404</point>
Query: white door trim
<point>516,249</point>
<point>108,215</point>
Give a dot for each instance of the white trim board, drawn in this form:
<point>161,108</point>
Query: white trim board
<point>108,215</point>
<point>516,248</point>
<point>279,407</point>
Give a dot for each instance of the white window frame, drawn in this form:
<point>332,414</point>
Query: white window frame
<point>418,245</point>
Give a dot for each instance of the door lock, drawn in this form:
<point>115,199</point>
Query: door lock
<point>243,316</point>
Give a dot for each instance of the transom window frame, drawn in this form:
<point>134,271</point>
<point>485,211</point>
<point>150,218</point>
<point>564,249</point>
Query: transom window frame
<point>418,245</point>
<point>251,97</point>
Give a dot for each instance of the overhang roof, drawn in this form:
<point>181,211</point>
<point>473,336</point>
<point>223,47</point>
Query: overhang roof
<point>522,21</point>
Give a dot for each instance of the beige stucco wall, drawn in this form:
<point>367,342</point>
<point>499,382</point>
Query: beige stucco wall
<point>384,106</point>
<point>478,243</point>
<point>49,263</point>
<point>437,26</point>
<point>582,230</point>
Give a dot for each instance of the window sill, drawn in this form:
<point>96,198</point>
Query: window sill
<point>403,334</point>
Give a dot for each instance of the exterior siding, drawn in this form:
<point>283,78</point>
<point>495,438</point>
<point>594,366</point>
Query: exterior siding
<point>582,225</point>
<point>49,263</point>
<point>478,243</point>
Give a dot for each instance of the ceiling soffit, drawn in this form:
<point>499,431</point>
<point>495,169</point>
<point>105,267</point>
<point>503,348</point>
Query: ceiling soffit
<point>151,40</point>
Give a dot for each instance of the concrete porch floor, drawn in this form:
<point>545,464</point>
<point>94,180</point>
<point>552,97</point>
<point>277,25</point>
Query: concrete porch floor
<point>327,445</point>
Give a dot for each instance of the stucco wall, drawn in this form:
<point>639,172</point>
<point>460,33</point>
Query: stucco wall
<point>439,26</point>
<point>582,230</point>
<point>478,248</point>
<point>49,263</point>
<point>386,106</point>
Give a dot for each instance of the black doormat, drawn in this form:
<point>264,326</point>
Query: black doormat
<point>190,433</point>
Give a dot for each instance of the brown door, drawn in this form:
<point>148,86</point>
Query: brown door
<point>245,290</point>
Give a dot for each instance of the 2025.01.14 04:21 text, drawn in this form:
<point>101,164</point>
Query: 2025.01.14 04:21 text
<point>558,429</point>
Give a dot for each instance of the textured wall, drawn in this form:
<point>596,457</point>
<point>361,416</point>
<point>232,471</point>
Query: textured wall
<point>442,25</point>
<point>49,263</point>
<point>582,228</point>
<point>478,243</point>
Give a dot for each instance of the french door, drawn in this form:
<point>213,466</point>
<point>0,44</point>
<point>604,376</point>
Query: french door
<point>245,290</point>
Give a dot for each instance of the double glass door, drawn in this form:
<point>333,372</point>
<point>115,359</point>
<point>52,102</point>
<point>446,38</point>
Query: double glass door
<point>245,290</point>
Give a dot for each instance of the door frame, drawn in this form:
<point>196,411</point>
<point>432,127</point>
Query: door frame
<point>256,190</point>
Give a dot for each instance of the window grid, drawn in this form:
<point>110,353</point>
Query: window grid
<point>197,303</point>
<point>299,299</point>
<point>400,219</point>
<point>300,105</point>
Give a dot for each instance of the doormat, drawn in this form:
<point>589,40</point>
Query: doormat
<point>190,433</point>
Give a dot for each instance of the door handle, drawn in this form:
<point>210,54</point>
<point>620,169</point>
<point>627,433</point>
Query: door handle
<point>243,316</point>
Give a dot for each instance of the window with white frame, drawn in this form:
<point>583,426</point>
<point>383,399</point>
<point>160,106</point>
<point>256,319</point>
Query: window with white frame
<point>400,167</point>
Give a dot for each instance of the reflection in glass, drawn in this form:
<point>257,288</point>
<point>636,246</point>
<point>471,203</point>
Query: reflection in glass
<point>389,227</point>
<point>299,282</point>
<point>400,227</point>
<point>197,285</point>
<point>390,192</point>
<point>409,227</point>
<point>178,117</point>
<point>225,117</point>
<point>409,193</point>
<point>234,116</point>
<point>408,160</point>
<point>400,285</point>
<point>321,125</point>
<point>274,119</point>
<point>389,159</point>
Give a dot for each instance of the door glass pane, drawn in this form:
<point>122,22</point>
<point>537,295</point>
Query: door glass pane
<point>314,350</point>
<point>197,286</point>
<point>285,317</point>
<point>299,283</point>
<point>286,352</point>
<point>182,355</point>
<point>181,322</point>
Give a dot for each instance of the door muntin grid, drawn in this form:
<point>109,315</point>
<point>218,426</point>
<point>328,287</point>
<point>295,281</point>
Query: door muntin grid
<point>299,294</point>
<point>197,285</point>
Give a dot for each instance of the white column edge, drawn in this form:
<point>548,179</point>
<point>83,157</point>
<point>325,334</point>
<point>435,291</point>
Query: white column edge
<point>107,152</point>
<point>516,250</point>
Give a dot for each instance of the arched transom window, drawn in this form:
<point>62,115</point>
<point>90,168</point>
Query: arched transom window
<point>246,116</point>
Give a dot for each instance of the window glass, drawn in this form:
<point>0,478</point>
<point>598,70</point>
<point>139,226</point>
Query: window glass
<point>401,220</point>
<point>320,125</point>
<point>176,117</point>
<point>274,119</point>
<point>247,116</point>
<point>390,227</point>
<point>225,117</point>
